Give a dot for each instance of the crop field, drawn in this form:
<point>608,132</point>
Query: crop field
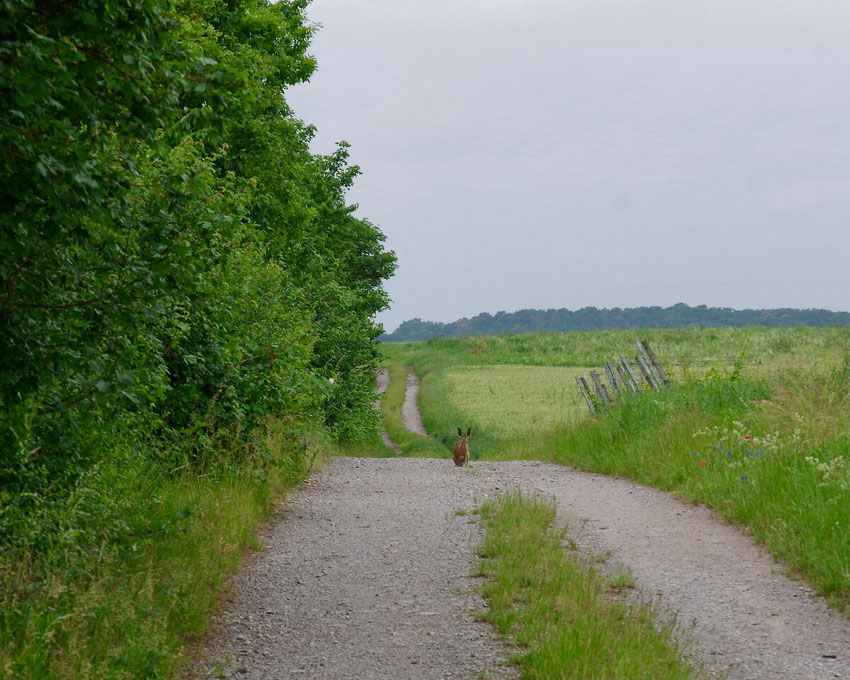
<point>509,400</point>
<point>762,350</point>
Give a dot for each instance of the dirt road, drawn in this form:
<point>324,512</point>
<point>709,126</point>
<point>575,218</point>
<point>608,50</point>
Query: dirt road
<point>367,575</point>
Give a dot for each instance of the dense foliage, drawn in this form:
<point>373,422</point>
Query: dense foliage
<point>594,319</point>
<point>176,267</point>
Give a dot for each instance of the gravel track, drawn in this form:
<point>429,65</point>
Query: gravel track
<point>367,575</point>
<point>410,415</point>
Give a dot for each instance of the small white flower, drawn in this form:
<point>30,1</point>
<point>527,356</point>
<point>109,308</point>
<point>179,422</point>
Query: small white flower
<point>331,381</point>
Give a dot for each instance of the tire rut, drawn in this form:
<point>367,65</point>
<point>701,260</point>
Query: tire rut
<point>410,415</point>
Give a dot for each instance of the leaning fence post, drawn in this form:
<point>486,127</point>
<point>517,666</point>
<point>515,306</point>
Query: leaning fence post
<point>586,394</point>
<point>601,402</point>
<point>658,368</point>
<point>625,378</point>
<point>600,388</point>
<point>612,378</point>
<point>658,384</point>
<point>628,370</point>
<point>647,375</point>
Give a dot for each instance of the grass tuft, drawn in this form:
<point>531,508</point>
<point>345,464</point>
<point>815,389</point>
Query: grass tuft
<point>558,611</point>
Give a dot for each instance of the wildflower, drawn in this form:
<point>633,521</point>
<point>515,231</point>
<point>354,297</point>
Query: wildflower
<point>746,436</point>
<point>744,478</point>
<point>703,463</point>
<point>695,453</point>
<point>331,381</point>
<point>95,549</point>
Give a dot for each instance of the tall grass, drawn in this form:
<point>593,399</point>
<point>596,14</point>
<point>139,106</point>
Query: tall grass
<point>558,610</point>
<point>743,449</point>
<point>132,608</point>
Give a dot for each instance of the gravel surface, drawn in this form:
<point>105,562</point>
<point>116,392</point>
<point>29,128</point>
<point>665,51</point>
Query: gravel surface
<point>410,409</point>
<point>367,575</point>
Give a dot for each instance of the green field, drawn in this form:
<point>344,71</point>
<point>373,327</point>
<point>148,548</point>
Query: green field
<point>756,426</point>
<point>766,348</point>
<point>508,400</point>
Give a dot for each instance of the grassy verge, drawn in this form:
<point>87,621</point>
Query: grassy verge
<point>376,450</point>
<point>135,609</point>
<point>771,459</point>
<point>559,612</point>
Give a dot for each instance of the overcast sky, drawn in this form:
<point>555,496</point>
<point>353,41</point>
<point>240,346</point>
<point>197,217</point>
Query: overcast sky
<point>615,153</point>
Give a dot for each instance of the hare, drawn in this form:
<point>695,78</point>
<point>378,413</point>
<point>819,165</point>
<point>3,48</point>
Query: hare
<point>460,455</point>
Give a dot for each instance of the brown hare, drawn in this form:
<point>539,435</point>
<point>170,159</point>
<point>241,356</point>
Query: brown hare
<point>460,455</point>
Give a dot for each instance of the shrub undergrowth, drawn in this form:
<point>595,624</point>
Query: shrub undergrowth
<point>187,297</point>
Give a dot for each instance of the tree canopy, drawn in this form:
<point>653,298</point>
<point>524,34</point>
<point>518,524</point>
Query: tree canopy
<point>176,266</point>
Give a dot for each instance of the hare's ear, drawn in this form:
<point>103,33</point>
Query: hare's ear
<point>469,432</point>
<point>459,432</point>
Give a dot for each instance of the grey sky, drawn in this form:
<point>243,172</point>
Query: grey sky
<point>615,153</point>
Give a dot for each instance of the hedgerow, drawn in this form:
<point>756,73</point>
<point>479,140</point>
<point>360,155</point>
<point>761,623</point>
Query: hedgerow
<point>178,271</point>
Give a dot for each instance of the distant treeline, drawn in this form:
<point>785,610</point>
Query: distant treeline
<point>594,319</point>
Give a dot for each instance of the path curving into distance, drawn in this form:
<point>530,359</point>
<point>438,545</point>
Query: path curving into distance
<point>410,415</point>
<point>366,574</point>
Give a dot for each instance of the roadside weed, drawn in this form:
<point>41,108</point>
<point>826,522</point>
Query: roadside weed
<point>555,609</point>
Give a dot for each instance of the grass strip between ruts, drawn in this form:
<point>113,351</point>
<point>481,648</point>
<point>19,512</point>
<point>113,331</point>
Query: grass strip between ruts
<point>558,611</point>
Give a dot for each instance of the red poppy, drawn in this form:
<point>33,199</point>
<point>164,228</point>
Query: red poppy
<point>746,436</point>
<point>703,463</point>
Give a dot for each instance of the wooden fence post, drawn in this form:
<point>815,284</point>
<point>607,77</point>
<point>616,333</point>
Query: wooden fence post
<point>648,362</point>
<point>658,368</point>
<point>612,378</point>
<point>585,383</point>
<point>647,375</point>
<point>628,369</point>
<point>600,388</point>
<point>625,378</point>
<point>585,393</point>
